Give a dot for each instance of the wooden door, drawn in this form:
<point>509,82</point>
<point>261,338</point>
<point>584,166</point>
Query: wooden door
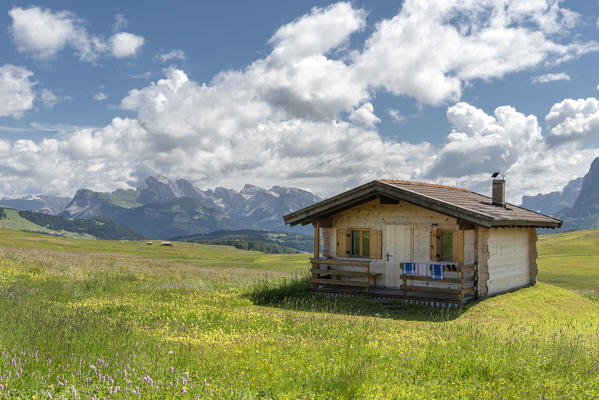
<point>399,239</point>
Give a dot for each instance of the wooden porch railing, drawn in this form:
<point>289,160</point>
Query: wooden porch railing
<point>458,283</point>
<point>458,280</point>
<point>333,275</point>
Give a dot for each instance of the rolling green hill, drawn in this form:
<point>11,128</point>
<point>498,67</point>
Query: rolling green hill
<point>274,242</point>
<point>570,259</point>
<point>10,219</point>
<point>100,228</point>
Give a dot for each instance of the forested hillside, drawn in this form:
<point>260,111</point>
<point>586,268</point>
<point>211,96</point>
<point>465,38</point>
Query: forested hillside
<point>101,228</point>
<point>272,242</point>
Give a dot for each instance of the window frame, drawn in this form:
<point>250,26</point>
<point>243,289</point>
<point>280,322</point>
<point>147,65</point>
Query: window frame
<point>361,242</point>
<point>458,245</point>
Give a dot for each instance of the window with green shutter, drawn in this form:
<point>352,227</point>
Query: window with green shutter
<point>446,246</point>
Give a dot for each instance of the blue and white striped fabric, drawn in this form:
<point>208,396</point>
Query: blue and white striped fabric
<point>437,271</point>
<point>408,268</point>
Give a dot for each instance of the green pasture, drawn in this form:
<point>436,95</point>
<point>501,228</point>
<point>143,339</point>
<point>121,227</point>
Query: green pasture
<point>85,318</point>
<point>192,253</point>
<point>14,222</point>
<point>570,259</point>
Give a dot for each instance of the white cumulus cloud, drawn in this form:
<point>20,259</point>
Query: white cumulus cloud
<point>303,115</point>
<point>430,49</point>
<point>125,44</point>
<point>507,141</point>
<point>318,32</point>
<point>16,90</point>
<point>560,76</point>
<point>365,116</point>
<point>480,142</point>
<point>573,120</point>
<point>43,33</point>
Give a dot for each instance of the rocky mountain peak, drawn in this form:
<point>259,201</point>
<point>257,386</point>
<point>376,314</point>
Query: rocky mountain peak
<point>154,180</point>
<point>250,190</point>
<point>186,188</point>
<point>290,190</point>
<point>588,199</point>
<point>85,204</point>
<point>82,194</point>
<point>554,202</point>
<point>157,189</point>
<point>221,191</point>
<point>160,207</point>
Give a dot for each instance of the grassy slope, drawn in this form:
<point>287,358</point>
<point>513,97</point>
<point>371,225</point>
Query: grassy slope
<point>167,318</point>
<point>124,198</point>
<point>192,253</point>
<point>570,259</point>
<point>14,221</point>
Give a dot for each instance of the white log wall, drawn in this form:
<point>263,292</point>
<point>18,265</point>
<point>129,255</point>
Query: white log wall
<point>508,264</point>
<point>374,215</point>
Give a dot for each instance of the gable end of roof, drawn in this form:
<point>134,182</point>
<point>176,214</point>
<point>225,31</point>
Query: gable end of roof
<point>454,202</point>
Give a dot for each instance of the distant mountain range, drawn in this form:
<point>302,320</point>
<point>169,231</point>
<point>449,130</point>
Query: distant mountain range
<point>554,202</point>
<point>41,203</point>
<point>160,208</point>
<point>577,204</point>
<point>584,213</point>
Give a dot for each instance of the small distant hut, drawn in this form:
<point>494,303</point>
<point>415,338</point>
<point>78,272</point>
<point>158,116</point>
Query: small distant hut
<point>167,244</point>
<point>421,241</point>
<point>149,243</point>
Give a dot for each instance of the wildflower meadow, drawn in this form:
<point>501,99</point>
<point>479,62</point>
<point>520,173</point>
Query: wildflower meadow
<point>83,319</point>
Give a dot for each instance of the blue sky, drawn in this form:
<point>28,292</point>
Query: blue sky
<point>320,95</point>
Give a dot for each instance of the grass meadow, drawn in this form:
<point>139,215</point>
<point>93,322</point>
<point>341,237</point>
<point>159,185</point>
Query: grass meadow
<point>102,319</point>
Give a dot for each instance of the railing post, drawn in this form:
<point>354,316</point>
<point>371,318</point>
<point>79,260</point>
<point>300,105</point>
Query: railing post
<point>316,250</point>
<point>317,239</point>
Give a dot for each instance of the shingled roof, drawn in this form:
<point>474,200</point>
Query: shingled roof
<point>460,203</point>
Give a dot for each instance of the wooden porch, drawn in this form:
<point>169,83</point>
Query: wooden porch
<point>336,274</point>
<point>354,277</point>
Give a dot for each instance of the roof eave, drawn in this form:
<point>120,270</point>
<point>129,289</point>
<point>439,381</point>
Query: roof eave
<point>304,215</point>
<point>367,191</point>
<point>526,224</point>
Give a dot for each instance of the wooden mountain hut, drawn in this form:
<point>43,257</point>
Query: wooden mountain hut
<point>421,241</point>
